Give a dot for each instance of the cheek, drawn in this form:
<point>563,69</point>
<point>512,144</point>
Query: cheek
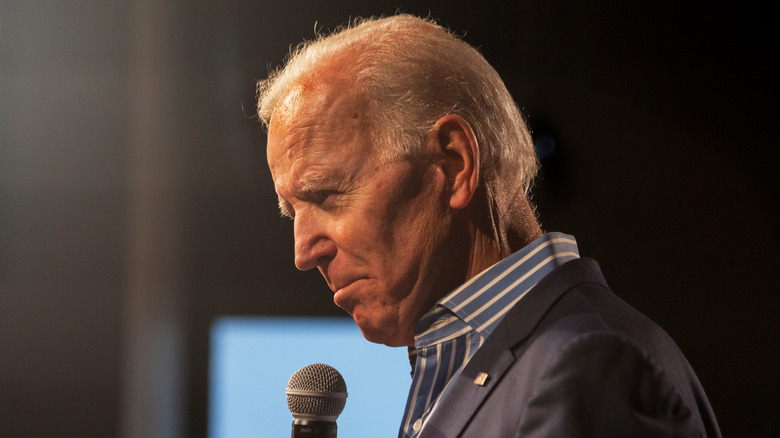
<point>357,235</point>
<point>395,231</point>
<point>412,244</point>
<point>420,224</point>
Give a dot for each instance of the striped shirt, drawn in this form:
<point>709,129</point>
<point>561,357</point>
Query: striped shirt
<point>450,333</point>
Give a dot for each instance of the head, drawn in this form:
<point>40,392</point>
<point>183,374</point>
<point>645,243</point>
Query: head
<point>390,141</point>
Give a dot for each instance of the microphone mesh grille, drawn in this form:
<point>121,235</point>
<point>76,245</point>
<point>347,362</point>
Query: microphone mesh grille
<point>321,378</point>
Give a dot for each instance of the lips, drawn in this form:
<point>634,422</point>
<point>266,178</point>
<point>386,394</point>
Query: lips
<point>343,297</point>
<point>341,286</point>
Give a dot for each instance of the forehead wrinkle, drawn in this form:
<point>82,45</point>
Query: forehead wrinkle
<point>313,114</point>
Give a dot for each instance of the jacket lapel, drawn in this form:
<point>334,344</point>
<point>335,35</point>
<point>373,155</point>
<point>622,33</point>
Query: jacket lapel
<point>464,395</point>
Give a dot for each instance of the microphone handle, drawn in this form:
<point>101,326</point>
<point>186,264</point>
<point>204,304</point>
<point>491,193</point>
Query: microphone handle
<point>313,429</point>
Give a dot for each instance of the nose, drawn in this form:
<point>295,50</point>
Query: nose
<point>313,246</point>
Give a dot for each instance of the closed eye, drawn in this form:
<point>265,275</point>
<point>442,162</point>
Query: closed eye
<point>321,196</point>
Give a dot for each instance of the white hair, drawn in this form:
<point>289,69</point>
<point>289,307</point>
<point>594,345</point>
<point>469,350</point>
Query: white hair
<point>414,72</point>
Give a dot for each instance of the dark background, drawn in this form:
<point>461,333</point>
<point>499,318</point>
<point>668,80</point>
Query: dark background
<point>136,206</point>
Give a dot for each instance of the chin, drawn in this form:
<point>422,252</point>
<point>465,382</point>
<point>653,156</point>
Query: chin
<point>371,334</point>
<point>380,328</point>
<point>378,336</point>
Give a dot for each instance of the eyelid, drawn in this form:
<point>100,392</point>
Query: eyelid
<point>311,189</point>
<point>317,197</point>
<point>323,195</point>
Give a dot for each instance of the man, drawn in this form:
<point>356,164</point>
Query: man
<point>405,166</point>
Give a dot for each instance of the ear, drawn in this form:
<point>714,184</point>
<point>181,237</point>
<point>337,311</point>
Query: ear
<point>456,145</point>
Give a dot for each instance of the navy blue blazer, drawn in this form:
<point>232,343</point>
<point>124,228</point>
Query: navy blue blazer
<point>571,359</point>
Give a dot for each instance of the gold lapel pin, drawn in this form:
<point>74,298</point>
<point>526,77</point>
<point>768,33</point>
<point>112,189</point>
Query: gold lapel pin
<point>481,379</point>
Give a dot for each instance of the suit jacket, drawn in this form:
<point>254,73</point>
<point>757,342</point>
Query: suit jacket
<point>573,360</point>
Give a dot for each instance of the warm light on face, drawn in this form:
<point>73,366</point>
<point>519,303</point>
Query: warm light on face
<point>372,227</point>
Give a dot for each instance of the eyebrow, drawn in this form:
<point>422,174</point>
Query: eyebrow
<point>285,209</point>
<point>313,181</point>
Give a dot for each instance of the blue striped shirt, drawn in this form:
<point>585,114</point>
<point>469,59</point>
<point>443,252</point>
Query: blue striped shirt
<point>450,333</point>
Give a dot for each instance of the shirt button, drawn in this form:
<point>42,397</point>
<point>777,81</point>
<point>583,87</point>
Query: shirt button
<point>417,424</point>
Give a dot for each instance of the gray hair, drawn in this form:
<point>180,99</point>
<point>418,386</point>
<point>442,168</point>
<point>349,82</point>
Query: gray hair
<point>414,72</point>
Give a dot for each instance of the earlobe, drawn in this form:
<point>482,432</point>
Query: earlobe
<point>457,147</point>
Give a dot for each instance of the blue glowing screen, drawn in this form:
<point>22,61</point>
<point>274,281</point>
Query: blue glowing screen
<point>252,359</point>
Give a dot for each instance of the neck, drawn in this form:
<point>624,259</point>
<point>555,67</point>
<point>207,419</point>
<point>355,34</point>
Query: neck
<point>485,252</point>
<point>495,238</point>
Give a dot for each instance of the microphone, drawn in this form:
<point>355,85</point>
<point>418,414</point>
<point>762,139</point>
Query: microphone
<point>316,395</point>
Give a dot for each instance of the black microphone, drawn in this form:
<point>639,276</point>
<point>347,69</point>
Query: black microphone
<point>316,395</point>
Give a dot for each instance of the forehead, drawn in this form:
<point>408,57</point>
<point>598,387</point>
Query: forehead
<point>317,142</point>
<point>316,113</point>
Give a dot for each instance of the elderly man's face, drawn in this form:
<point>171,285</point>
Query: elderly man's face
<point>372,227</point>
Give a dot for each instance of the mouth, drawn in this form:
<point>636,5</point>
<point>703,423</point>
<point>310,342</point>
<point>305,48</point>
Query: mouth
<point>344,297</point>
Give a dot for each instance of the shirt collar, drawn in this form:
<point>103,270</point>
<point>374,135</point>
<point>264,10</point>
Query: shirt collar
<point>480,303</point>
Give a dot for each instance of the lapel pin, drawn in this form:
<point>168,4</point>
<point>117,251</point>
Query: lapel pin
<point>481,379</point>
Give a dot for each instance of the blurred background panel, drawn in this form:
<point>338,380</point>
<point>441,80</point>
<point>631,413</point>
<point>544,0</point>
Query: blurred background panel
<point>136,207</point>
